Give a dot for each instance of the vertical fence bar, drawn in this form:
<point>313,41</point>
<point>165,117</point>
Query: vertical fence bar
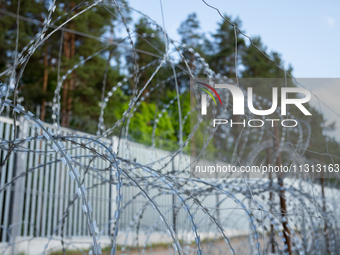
<point>40,196</point>
<point>72,195</point>
<point>34,229</point>
<point>90,193</point>
<point>84,176</point>
<point>100,190</point>
<point>76,203</point>
<point>45,192</point>
<point>29,195</point>
<point>102,195</point>
<point>80,214</point>
<point>10,164</point>
<point>56,196</point>
<point>81,170</point>
<point>19,186</point>
<point>2,175</point>
<point>106,201</point>
<point>67,195</point>
<point>62,195</point>
<point>94,200</point>
<point>51,195</point>
<point>112,191</point>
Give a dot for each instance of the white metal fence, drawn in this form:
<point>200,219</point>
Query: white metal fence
<point>42,192</point>
<point>37,201</point>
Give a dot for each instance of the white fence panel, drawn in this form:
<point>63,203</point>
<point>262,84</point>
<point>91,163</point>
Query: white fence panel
<point>37,202</point>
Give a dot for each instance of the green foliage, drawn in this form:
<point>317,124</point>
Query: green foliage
<point>222,59</point>
<point>143,121</point>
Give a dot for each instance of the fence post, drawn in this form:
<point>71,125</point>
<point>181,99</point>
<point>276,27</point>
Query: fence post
<point>174,215</point>
<point>18,192</point>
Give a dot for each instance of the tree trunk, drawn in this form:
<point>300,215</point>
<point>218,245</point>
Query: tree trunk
<point>69,51</point>
<point>271,201</point>
<point>286,232</point>
<point>72,81</point>
<point>45,81</point>
<point>66,50</point>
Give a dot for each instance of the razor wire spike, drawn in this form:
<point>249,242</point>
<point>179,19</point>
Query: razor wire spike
<point>64,161</point>
<point>16,109</point>
<point>84,208</point>
<point>95,226</point>
<point>52,8</point>
<point>50,132</point>
<point>89,206</point>
<point>83,188</point>
<point>72,175</point>
<point>46,135</point>
<point>60,145</point>
<point>76,171</point>
<point>68,156</point>
<point>78,191</point>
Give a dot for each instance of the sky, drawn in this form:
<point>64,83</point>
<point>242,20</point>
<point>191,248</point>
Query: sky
<point>306,33</point>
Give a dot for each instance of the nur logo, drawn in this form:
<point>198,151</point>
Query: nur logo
<point>239,102</point>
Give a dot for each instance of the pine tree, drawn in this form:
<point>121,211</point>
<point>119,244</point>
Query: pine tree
<point>222,58</point>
